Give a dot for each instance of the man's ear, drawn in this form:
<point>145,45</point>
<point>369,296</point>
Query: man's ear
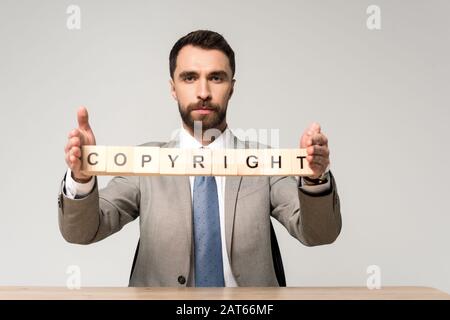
<point>172,89</point>
<point>232,88</point>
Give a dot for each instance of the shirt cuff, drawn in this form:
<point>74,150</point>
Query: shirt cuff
<point>315,189</point>
<point>75,189</point>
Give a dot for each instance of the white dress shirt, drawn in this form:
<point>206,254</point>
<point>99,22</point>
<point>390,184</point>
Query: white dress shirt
<point>187,141</point>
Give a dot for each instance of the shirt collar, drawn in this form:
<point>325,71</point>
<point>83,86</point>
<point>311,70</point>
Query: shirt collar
<point>223,141</point>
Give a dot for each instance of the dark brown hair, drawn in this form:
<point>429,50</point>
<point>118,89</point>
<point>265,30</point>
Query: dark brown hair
<point>204,39</point>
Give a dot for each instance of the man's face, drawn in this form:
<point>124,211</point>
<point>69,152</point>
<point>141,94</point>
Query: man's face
<point>202,84</point>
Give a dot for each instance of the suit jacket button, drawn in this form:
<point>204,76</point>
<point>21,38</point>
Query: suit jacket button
<point>181,280</point>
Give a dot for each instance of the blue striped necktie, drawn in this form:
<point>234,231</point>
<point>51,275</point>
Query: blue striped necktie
<point>207,238</point>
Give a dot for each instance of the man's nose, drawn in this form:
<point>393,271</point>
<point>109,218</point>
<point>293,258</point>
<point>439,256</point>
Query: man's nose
<point>203,90</point>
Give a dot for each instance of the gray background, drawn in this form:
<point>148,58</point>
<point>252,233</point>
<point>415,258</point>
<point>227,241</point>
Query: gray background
<point>381,97</point>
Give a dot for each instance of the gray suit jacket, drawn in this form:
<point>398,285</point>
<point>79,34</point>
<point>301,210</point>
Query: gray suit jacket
<point>164,206</point>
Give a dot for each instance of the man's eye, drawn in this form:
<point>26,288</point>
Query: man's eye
<point>189,78</point>
<point>216,78</point>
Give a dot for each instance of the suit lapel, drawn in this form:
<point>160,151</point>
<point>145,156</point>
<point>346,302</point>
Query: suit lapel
<point>182,188</point>
<point>232,184</point>
<point>183,192</point>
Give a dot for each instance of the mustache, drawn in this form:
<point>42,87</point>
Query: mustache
<point>203,106</point>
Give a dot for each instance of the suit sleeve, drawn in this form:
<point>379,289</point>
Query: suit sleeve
<point>313,219</point>
<point>101,213</point>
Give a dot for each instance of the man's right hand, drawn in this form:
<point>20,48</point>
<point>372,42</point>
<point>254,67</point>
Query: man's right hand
<point>77,138</point>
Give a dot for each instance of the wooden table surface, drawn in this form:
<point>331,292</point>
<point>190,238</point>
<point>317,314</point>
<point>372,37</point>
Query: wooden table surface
<point>244,293</point>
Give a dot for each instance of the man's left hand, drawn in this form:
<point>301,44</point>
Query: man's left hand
<point>318,154</point>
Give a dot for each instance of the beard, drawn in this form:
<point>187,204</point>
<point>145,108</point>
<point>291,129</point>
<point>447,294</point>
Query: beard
<point>209,121</point>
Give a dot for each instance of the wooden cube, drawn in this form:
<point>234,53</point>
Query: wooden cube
<point>224,162</point>
<point>198,162</point>
<point>299,163</point>
<point>250,162</point>
<point>120,160</point>
<point>277,162</point>
<point>93,160</point>
<point>172,161</point>
<point>146,160</point>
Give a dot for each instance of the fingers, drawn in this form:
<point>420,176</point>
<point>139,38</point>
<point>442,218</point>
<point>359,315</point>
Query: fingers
<point>310,135</point>
<point>304,140</point>
<point>73,150</point>
<point>317,150</point>
<point>317,139</point>
<point>318,164</point>
<point>72,160</point>
<point>318,160</point>
<point>74,133</point>
<point>313,128</point>
<point>74,141</point>
<point>83,118</point>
